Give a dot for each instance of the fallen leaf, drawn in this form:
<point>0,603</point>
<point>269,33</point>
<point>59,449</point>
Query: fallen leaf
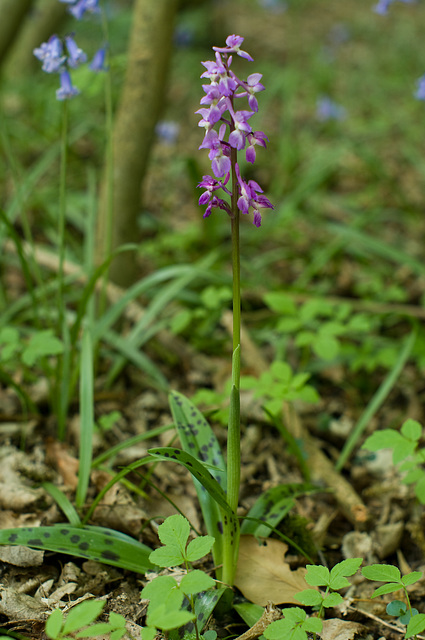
<point>263,575</point>
<point>336,629</point>
<point>21,556</point>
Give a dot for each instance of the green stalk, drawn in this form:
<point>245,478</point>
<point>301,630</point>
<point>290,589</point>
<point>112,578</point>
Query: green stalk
<point>109,168</point>
<point>60,386</point>
<point>231,537</point>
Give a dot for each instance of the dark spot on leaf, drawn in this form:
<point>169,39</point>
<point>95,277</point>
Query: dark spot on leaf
<point>220,526</point>
<point>84,546</point>
<point>200,617</point>
<point>75,539</point>
<point>13,537</point>
<point>189,464</point>
<point>204,447</point>
<point>106,541</point>
<point>64,532</point>
<point>35,542</point>
<point>110,555</point>
<point>192,445</point>
<point>46,534</point>
<point>177,452</point>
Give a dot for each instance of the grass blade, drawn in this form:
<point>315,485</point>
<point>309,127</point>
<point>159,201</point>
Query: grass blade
<point>376,400</point>
<point>86,417</point>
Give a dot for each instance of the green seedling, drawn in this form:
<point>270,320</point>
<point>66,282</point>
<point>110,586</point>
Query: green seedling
<point>294,626</point>
<point>79,623</point>
<point>332,581</point>
<point>395,582</point>
<point>296,623</point>
<point>406,452</point>
<point>165,594</point>
<point>401,611</point>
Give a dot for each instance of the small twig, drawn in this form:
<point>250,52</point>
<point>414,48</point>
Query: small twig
<point>271,613</point>
<point>383,622</point>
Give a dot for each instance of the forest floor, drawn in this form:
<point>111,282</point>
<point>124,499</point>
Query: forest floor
<point>362,511</point>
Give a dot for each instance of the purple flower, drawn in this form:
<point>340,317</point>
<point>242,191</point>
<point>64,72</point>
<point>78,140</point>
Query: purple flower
<point>66,90</point>
<point>253,139</point>
<point>219,97</point>
<point>420,91</point>
<point>233,43</point>
<point>241,128</point>
<point>51,53</point>
<point>98,62</point>
<point>76,55</point>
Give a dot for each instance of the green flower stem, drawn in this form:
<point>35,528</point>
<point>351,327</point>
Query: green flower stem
<point>60,386</point>
<point>230,537</point>
<point>109,164</point>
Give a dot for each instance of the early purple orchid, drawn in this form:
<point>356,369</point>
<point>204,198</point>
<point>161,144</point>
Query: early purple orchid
<point>218,107</point>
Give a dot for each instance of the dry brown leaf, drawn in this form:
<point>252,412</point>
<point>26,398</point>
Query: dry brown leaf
<point>263,575</point>
<point>66,464</point>
<point>336,629</point>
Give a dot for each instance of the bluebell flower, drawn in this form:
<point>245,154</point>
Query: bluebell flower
<point>327,109</point>
<point>76,55</point>
<point>167,131</point>
<point>274,6</point>
<point>98,62</point>
<point>51,54</point>
<point>79,7</point>
<point>382,6</point>
<point>420,91</point>
<point>66,90</point>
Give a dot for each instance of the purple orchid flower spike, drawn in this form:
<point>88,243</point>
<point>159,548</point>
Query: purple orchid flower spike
<point>234,133</point>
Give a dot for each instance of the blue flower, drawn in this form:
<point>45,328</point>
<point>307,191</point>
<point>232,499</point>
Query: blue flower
<point>167,131</point>
<point>382,6</point>
<point>327,109</point>
<point>76,55</point>
<point>52,55</point>
<point>420,91</point>
<point>98,62</point>
<point>80,7</point>
<point>66,90</point>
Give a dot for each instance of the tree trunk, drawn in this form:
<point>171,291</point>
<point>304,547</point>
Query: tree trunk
<point>46,19</point>
<point>141,103</point>
<point>13,13</point>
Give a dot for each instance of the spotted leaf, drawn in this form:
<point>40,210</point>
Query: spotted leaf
<point>96,543</point>
<point>271,507</point>
<point>198,439</point>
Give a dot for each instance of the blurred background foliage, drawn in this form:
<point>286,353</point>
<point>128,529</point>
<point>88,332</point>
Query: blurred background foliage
<point>342,251</point>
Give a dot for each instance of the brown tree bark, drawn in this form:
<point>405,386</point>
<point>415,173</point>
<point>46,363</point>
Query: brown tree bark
<point>141,103</point>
